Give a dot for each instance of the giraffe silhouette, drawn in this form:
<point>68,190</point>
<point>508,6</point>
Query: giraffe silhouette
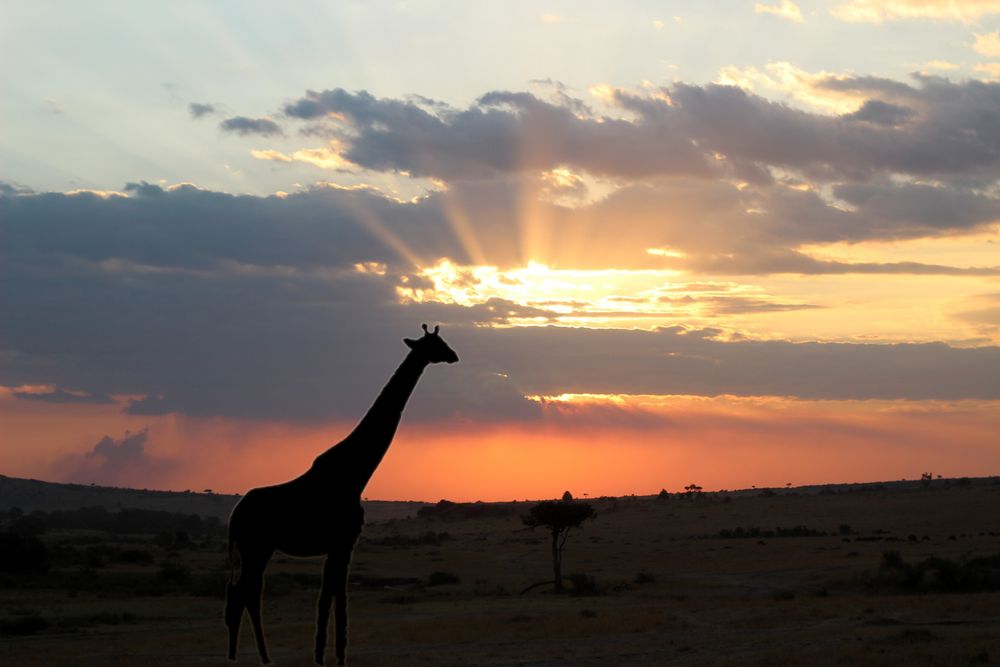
<point>319,513</point>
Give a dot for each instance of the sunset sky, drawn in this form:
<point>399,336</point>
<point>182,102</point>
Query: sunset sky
<point>724,243</point>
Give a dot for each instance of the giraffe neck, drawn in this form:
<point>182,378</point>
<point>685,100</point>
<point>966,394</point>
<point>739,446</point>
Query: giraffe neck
<point>383,416</point>
<point>358,455</point>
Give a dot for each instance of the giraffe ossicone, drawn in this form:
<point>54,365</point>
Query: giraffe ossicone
<point>319,513</point>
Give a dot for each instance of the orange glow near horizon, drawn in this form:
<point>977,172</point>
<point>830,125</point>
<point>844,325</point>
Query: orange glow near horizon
<point>589,444</point>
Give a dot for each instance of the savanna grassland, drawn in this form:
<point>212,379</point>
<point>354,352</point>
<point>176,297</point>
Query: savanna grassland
<point>900,573</point>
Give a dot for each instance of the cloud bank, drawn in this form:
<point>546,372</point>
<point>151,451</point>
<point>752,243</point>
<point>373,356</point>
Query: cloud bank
<point>210,304</point>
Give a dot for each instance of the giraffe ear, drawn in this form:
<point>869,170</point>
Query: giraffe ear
<point>410,343</point>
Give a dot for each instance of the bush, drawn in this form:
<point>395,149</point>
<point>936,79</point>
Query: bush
<point>584,584</point>
<point>448,510</point>
<point>936,574</point>
<point>755,532</point>
<point>644,578</point>
<point>171,571</point>
<point>134,556</point>
<point>442,579</point>
<point>22,553</point>
<point>23,625</point>
<point>429,538</point>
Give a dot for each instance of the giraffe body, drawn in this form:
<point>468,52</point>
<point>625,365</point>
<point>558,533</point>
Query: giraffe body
<point>319,513</point>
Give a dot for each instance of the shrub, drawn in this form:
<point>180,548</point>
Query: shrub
<point>22,553</point>
<point>936,574</point>
<point>584,584</point>
<point>172,571</point>
<point>28,624</point>
<point>395,540</point>
<point>442,579</point>
<point>644,578</point>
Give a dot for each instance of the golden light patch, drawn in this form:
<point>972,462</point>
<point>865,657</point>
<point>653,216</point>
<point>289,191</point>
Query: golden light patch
<point>103,194</point>
<point>371,268</point>
<point>877,11</point>
<point>269,154</point>
<point>797,83</point>
<point>785,9</point>
<point>991,70</point>
<point>324,158</point>
<point>563,178</point>
<point>665,252</point>
<point>987,44</point>
<point>608,298</point>
<point>603,92</point>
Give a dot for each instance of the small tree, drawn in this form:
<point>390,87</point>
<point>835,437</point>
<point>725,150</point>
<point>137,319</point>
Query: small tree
<point>559,517</point>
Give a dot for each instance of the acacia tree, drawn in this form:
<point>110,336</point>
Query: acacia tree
<point>559,517</point>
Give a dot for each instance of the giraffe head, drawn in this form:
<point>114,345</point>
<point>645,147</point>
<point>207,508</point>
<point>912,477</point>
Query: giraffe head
<point>432,347</point>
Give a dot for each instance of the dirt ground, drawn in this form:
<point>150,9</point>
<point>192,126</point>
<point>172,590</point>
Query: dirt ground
<point>660,582</point>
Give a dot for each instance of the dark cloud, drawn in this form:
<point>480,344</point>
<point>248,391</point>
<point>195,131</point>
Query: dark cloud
<point>552,360</point>
<point>878,112</point>
<point>214,304</point>
<point>732,305</point>
<point>503,132</point>
<point>888,207</point>
<point>197,110</point>
<point>13,189</point>
<point>244,126</point>
<point>934,127</point>
<point>63,396</point>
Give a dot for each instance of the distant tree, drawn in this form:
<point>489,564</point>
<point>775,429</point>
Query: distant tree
<point>926,479</point>
<point>692,490</point>
<point>663,495</point>
<point>567,496</point>
<point>21,552</point>
<point>559,517</point>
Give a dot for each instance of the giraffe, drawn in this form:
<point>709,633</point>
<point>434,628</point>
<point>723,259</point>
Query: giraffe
<point>319,513</point>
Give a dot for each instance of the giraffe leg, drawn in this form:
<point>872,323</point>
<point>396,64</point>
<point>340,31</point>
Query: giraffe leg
<point>341,611</point>
<point>235,604</point>
<point>252,579</point>
<point>326,594</point>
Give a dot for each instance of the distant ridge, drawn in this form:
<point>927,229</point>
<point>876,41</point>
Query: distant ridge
<point>33,494</point>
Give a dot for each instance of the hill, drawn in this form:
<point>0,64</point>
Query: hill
<point>31,494</point>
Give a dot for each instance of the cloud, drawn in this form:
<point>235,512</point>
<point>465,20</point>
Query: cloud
<point>244,126</point>
<point>785,9</point>
<point>930,127</point>
<point>209,304</point>
<point>121,462</point>
<point>991,70</point>
<point>678,361</point>
<point>197,109</point>
<point>941,65</point>
<point>986,312</point>
<point>502,133</point>
<point>988,44</point>
<point>877,11</point>
<point>58,395</point>
<point>878,112</point>
<point>276,156</point>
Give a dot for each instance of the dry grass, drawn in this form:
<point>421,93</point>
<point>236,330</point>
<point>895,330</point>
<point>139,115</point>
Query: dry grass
<point>702,600</point>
